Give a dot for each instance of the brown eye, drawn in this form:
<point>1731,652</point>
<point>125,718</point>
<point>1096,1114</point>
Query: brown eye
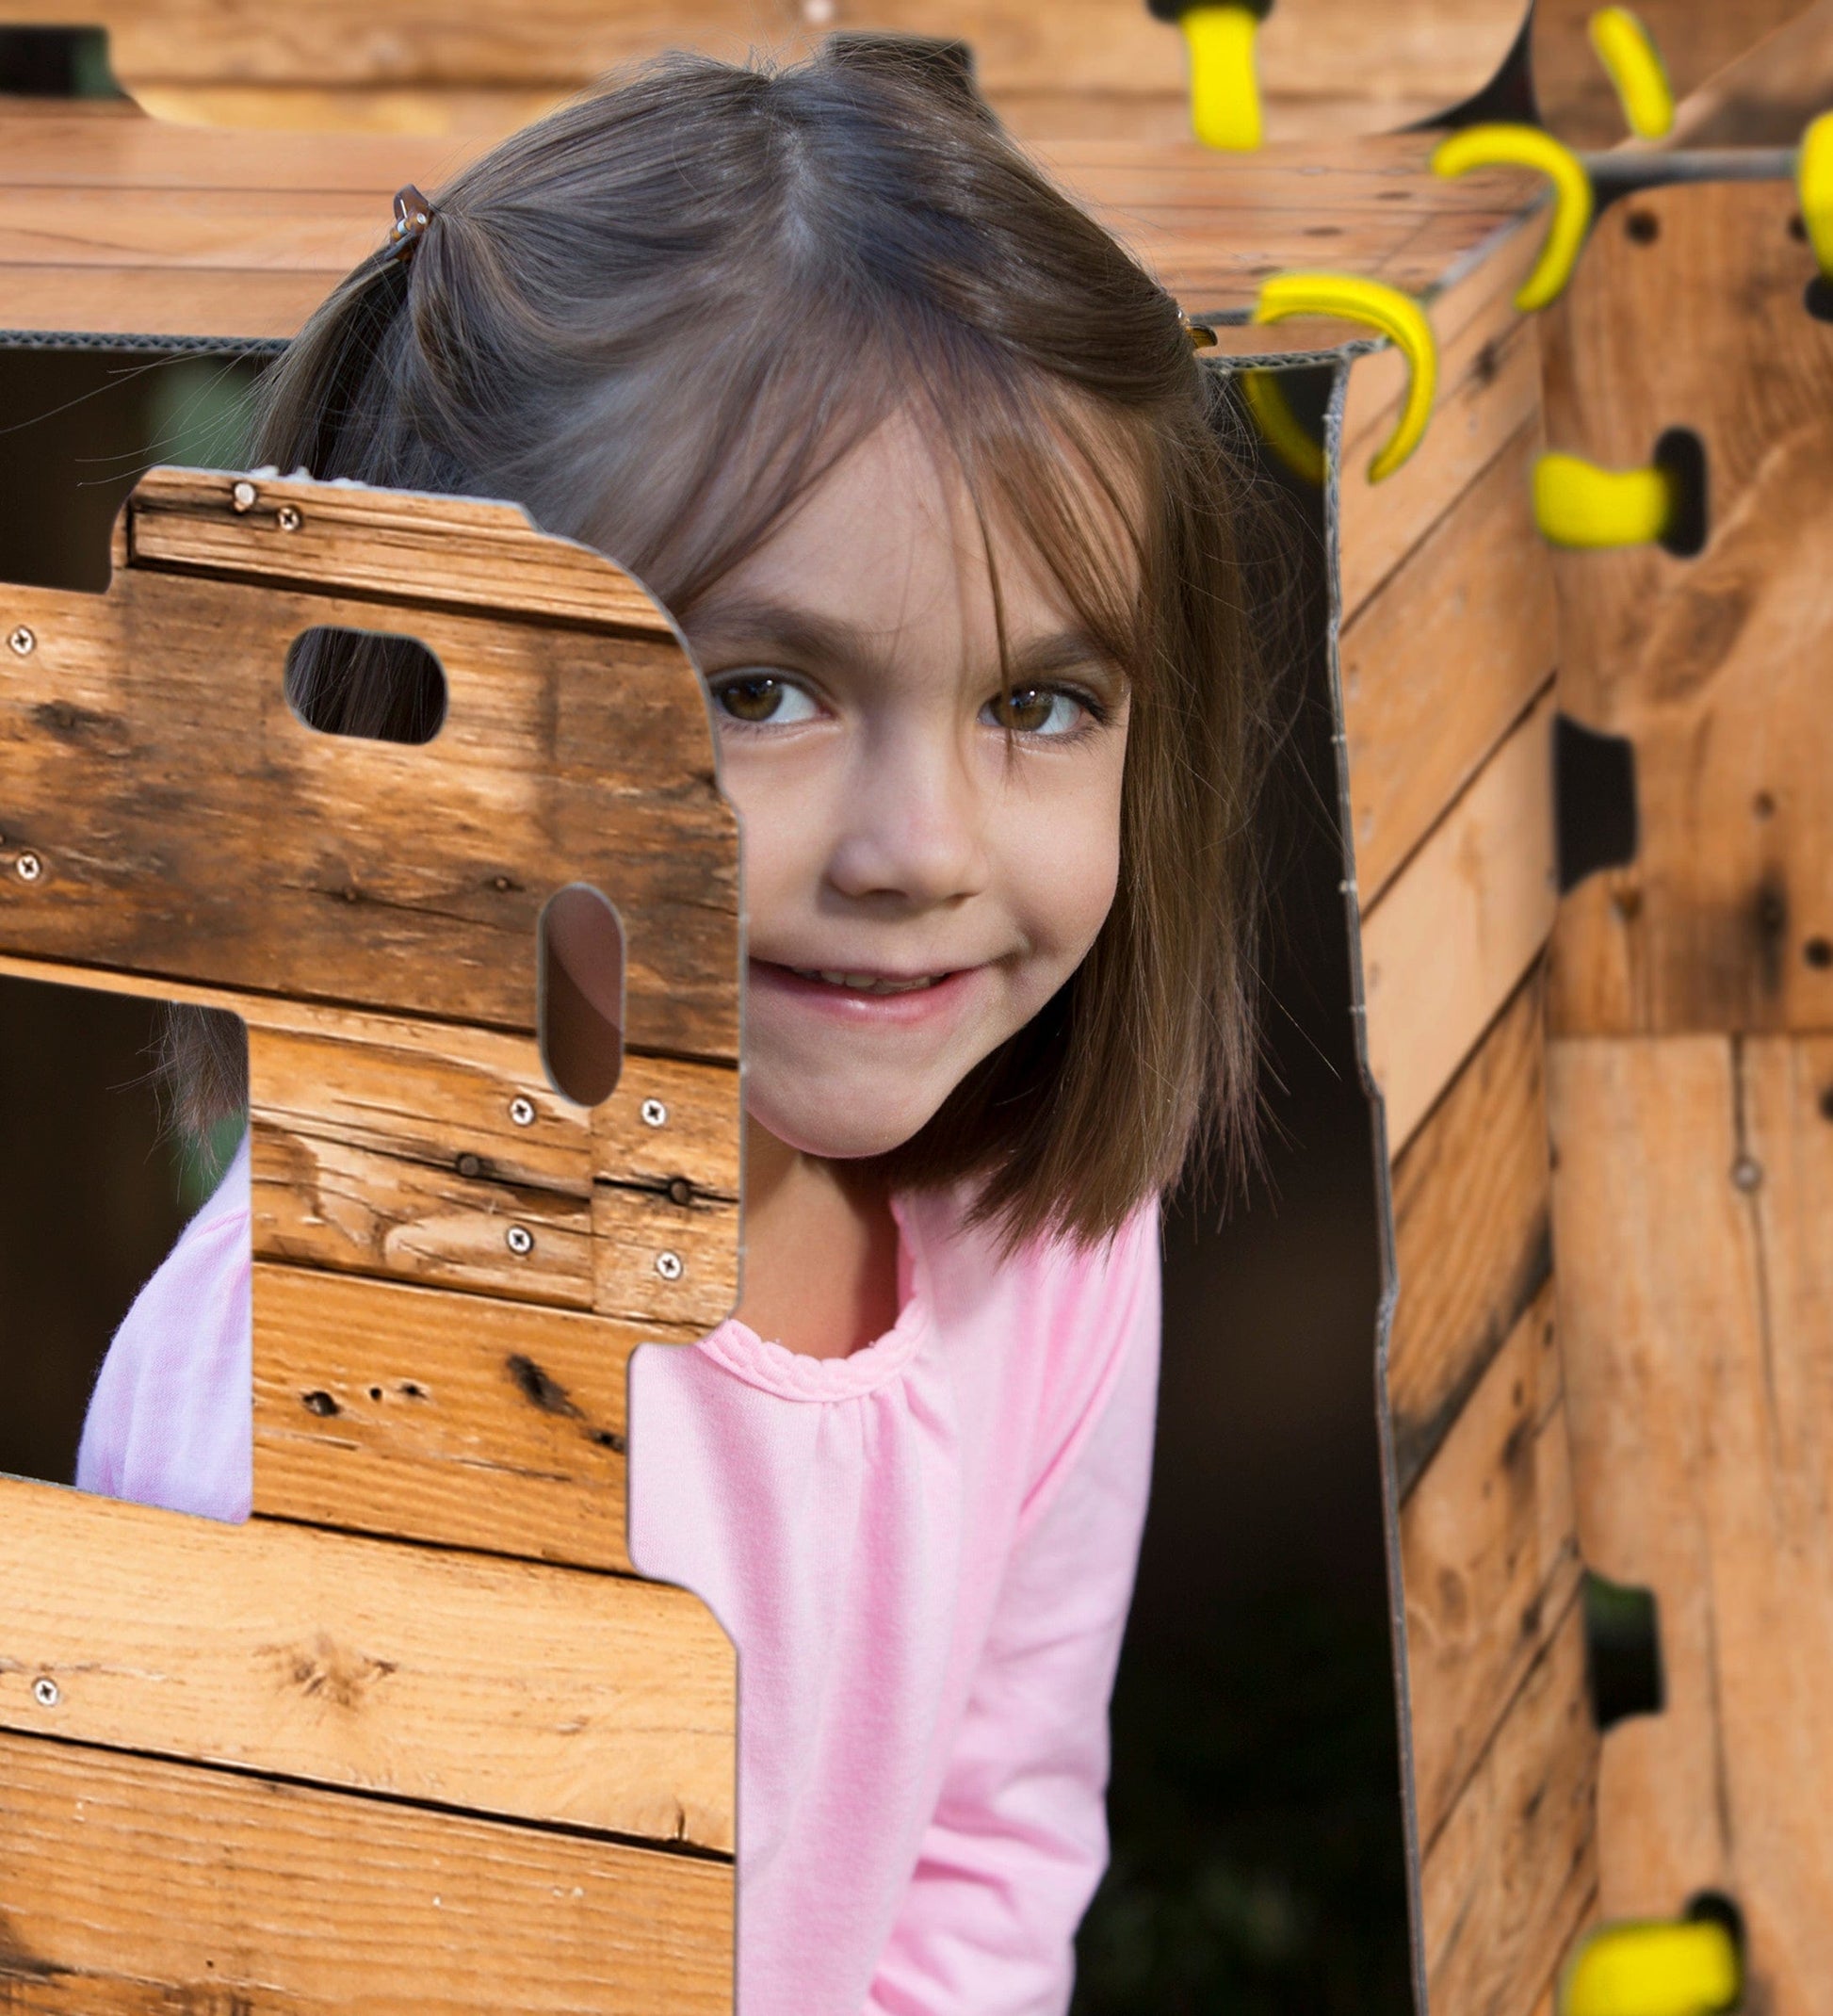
<point>759,697</point>
<point>1037,710</point>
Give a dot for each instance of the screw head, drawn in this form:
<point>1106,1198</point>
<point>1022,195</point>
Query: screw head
<point>522,1111</point>
<point>288,518</point>
<point>654,1114</point>
<point>669,1266</point>
<point>470,1165</point>
<point>28,867</point>
<point>243,496</point>
<point>24,644</point>
<point>520,1241</point>
<point>1747,1174</point>
<point>45,1690</point>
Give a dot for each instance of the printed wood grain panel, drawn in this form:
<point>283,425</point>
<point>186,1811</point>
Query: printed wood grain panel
<point>225,1890</point>
<point>1442,662</point>
<point>1513,1875</point>
<point>494,1687</point>
<point>1693,1190</point>
<point>1472,1231</point>
<point>1766,97</point>
<point>1489,1560</point>
<point>1449,941</point>
<point>1714,668</point>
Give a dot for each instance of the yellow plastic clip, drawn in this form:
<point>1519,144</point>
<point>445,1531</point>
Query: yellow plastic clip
<point>1511,146</point>
<point>1398,316</point>
<point>1628,52</point>
<point>1280,426</point>
<point>1224,88</point>
<point>1578,504</point>
<point>1814,180</point>
<point>1654,1969</point>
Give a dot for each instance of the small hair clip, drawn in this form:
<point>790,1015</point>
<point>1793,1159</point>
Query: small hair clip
<point>413,214</point>
<point>1202,338</point>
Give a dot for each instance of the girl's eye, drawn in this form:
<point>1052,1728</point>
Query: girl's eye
<point>1037,711</point>
<point>758,698</point>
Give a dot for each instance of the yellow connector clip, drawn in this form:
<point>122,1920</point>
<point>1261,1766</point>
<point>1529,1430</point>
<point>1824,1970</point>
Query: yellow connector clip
<point>1628,52</point>
<point>1578,504</point>
<point>1511,146</point>
<point>1225,85</point>
<point>1280,426</point>
<point>1654,1969</point>
<point>1348,299</point>
<point>1814,183</point>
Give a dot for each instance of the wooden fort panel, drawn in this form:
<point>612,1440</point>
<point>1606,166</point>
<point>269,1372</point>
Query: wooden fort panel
<point>1765,97</point>
<point>195,1889</point>
<point>1693,1194</point>
<point>1714,668</point>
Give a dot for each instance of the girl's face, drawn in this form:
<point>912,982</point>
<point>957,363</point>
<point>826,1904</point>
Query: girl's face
<point>924,868</point>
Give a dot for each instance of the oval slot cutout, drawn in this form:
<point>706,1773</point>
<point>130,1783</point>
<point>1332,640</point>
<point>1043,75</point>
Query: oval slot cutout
<point>370,684</point>
<point>580,994</point>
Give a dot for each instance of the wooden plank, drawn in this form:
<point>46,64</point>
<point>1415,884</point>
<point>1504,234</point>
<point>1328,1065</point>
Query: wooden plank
<point>1472,1231</point>
<point>565,756</point>
<point>1489,1560</point>
<point>1512,1873</point>
<point>1714,668</point>
<point>1489,390</point>
<point>1693,1189</point>
<point>654,1260</point>
<point>491,556</point>
<point>411,1411</point>
<point>536,1693</point>
<point>1444,659</point>
<point>234,1893</point>
<point>1449,939</point>
<point>1766,97</point>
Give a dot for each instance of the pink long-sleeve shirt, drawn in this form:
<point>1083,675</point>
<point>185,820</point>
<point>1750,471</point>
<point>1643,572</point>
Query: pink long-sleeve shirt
<point>924,1553</point>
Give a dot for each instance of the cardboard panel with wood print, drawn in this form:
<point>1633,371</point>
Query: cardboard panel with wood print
<point>1691,1090</point>
<point>413,1736</point>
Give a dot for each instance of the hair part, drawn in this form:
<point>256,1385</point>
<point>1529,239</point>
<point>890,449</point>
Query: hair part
<point>659,316</point>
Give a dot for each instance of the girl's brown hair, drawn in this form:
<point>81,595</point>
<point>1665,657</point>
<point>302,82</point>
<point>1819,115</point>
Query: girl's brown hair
<point>661,314</point>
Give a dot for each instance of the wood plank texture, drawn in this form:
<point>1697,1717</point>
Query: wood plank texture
<point>1449,939</point>
<point>1716,668</point>
<point>1765,97</point>
<point>1489,1560</point>
<point>234,1893</point>
<point>1693,1190</point>
<point>1513,1874</point>
<point>1444,659</point>
<point>537,1693</point>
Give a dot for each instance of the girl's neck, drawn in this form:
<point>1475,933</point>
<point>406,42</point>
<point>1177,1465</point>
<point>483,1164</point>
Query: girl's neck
<point>821,1268</point>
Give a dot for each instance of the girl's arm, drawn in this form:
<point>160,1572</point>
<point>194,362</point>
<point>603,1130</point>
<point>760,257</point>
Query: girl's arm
<point>1019,1838</point>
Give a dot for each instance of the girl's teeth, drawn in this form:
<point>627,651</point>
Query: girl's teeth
<point>866,983</point>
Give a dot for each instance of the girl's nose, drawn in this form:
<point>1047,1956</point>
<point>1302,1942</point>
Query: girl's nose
<point>912,827</point>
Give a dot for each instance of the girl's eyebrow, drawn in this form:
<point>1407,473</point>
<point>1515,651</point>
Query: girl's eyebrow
<point>756,623</point>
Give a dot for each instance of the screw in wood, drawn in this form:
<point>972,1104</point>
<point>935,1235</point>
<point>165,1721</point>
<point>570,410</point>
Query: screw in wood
<point>1747,1174</point>
<point>669,1266</point>
<point>45,1690</point>
<point>289,518</point>
<point>470,1165</point>
<point>28,867</point>
<point>244,496</point>
<point>522,1111</point>
<point>654,1114</point>
<point>520,1241</point>
<point>24,644</point>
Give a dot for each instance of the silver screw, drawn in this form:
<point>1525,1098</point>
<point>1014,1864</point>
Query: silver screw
<point>522,1111</point>
<point>28,867</point>
<point>288,518</point>
<point>22,642</point>
<point>669,1266</point>
<point>1745,1172</point>
<point>520,1241</point>
<point>654,1114</point>
<point>44,1691</point>
<point>244,496</point>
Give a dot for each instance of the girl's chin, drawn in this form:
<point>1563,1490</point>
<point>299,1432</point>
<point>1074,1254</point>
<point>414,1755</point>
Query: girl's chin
<point>834,1135</point>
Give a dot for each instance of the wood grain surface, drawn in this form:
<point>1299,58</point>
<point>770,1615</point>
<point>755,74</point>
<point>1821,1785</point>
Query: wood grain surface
<point>1716,667</point>
<point>227,1892</point>
<point>1767,96</point>
<point>1693,1192</point>
<point>1448,942</point>
<point>597,1701</point>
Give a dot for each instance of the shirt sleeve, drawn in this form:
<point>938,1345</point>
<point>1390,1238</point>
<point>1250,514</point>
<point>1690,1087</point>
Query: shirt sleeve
<point>1019,1838</point>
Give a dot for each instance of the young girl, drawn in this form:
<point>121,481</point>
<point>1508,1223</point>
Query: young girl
<point>925,467</point>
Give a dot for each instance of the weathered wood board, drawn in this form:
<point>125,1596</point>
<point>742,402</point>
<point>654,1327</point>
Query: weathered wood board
<point>304,1768</point>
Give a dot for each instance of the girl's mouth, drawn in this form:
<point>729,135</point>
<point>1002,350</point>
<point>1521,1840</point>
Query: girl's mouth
<point>867,983</point>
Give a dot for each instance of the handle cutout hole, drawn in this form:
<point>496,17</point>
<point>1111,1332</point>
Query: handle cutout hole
<point>370,684</point>
<point>1623,1651</point>
<point>580,994</point>
<point>1681,455</point>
